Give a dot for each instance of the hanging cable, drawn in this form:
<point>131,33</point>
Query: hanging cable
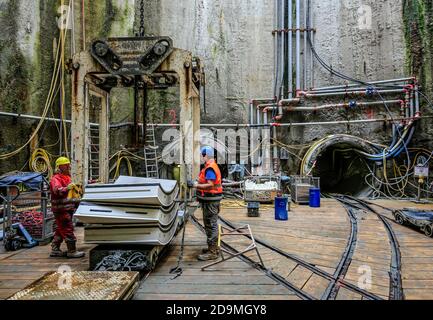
<point>372,88</point>
<point>40,162</point>
<point>48,103</point>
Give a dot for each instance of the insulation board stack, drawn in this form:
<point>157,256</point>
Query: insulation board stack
<point>130,211</point>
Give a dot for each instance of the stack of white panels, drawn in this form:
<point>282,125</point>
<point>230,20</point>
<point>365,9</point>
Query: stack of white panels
<point>130,211</point>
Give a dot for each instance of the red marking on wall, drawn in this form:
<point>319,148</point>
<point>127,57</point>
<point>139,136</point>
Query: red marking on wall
<point>370,113</point>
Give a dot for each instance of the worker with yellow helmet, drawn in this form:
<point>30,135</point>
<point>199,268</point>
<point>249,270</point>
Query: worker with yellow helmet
<point>63,209</point>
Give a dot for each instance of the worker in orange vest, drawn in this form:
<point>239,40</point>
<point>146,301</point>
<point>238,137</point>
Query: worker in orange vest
<point>209,194</point>
<point>63,209</point>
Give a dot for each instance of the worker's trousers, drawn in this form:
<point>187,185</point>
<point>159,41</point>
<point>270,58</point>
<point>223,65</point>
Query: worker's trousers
<point>65,228</point>
<point>211,210</point>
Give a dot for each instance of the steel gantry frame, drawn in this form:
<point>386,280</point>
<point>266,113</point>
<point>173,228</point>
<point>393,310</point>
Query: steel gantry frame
<point>142,63</point>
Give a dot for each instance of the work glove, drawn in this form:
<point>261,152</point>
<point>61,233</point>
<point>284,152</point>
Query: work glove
<point>190,183</point>
<point>71,186</point>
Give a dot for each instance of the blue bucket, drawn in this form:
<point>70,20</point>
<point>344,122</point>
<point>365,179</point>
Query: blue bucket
<point>315,197</point>
<point>281,208</point>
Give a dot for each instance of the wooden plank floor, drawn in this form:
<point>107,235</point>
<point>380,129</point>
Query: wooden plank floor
<point>20,268</point>
<point>309,233</point>
<point>316,235</point>
<point>416,253</point>
<point>232,280</point>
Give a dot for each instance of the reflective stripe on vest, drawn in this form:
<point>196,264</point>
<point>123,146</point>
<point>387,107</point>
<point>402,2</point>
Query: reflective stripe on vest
<point>58,205</point>
<point>217,188</point>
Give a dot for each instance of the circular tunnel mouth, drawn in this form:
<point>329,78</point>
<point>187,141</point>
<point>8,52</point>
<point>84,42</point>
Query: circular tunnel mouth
<point>337,161</point>
<point>342,170</point>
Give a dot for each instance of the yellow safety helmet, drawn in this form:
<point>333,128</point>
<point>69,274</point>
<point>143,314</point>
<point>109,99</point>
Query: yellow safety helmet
<point>61,161</point>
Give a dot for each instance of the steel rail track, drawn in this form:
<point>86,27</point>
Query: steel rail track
<point>276,277</point>
<point>343,266</point>
<point>396,285</point>
<point>336,281</point>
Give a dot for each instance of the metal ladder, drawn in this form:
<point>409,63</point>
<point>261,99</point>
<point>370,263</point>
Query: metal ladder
<point>150,155</point>
<point>94,172</point>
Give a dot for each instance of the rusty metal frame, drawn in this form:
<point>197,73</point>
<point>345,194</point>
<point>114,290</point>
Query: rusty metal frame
<point>82,88</point>
<point>244,230</point>
<point>85,73</point>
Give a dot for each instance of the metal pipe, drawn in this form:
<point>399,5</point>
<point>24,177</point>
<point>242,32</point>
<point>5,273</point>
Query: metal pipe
<point>312,95</point>
<point>290,47</point>
<point>305,46</point>
<point>31,117</point>
<point>251,112</point>
<point>371,82</point>
<point>73,49</point>
<point>267,107</point>
<point>338,105</point>
<point>276,34</point>
<point>286,102</point>
<point>256,102</point>
<point>312,44</point>
<point>229,125</point>
<point>278,53</point>
<point>412,105</point>
<point>352,89</point>
<point>347,122</point>
<point>406,104</point>
<point>301,124</point>
<point>282,51</point>
<point>417,110</point>
<point>258,116</point>
<point>298,45</point>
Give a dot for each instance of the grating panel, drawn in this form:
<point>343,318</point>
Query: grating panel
<point>80,285</point>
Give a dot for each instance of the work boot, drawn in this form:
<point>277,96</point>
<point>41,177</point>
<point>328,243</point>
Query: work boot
<point>211,254</point>
<point>55,250</point>
<point>72,250</point>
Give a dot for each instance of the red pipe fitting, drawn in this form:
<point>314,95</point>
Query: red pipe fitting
<point>300,93</point>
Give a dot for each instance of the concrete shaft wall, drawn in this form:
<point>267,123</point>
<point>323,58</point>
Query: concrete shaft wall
<point>28,39</point>
<point>363,39</point>
<point>234,39</point>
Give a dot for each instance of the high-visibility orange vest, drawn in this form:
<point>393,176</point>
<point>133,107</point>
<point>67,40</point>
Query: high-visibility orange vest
<point>217,187</point>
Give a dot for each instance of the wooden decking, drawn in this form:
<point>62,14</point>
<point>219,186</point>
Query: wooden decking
<point>318,236</point>
<point>20,268</point>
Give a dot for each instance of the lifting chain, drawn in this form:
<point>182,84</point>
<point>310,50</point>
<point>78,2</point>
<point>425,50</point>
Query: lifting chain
<point>141,34</point>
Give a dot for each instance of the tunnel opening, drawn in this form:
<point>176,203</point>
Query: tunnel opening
<point>337,161</point>
<point>342,170</point>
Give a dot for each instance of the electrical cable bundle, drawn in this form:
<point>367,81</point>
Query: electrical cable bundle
<point>397,146</point>
<point>126,156</point>
<point>40,162</point>
<point>396,187</point>
<point>51,94</point>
